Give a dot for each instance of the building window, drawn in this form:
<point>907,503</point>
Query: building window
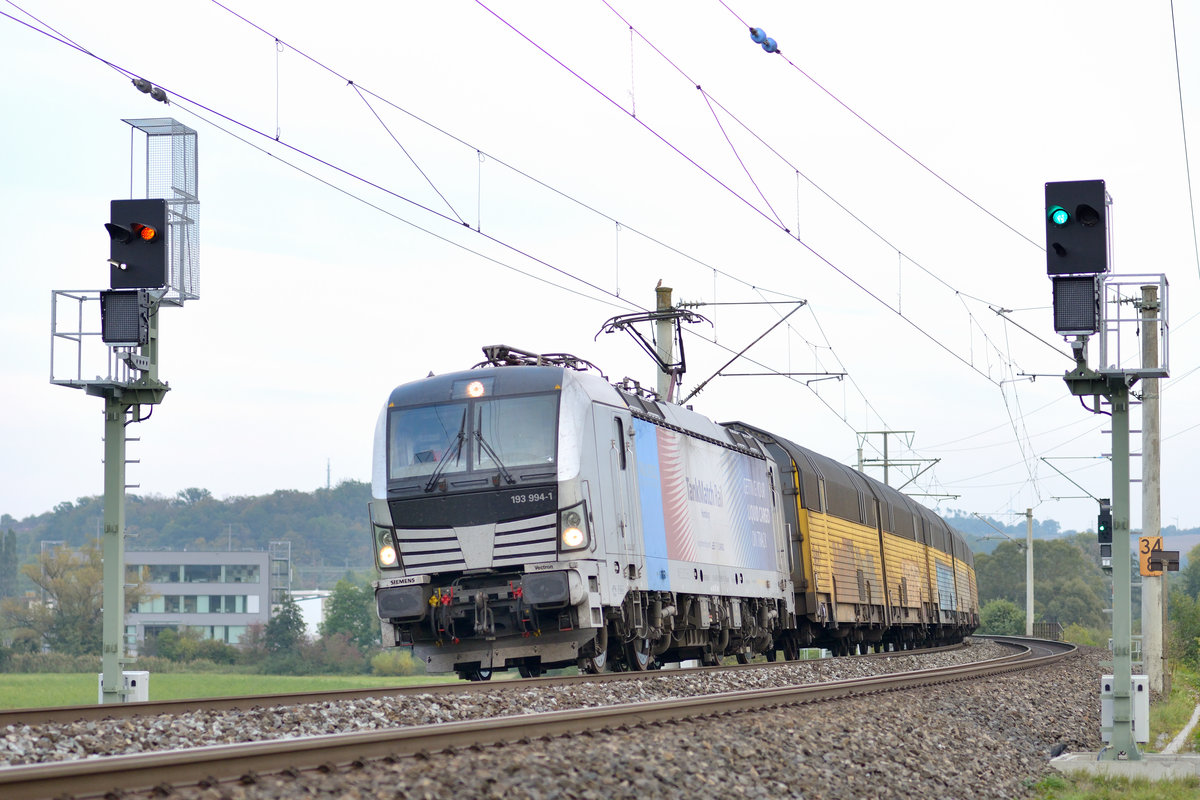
<point>199,604</point>
<point>150,605</point>
<point>163,573</point>
<point>241,573</point>
<point>202,573</point>
<point>194,573</point>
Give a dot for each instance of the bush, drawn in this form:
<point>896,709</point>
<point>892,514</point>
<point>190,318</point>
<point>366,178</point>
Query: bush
<point>329,655</point>
<point>1077,634</point>
<point>216,652</point>
<point>335,655</point>
<point>53,662</point>
<point>396,661</point>
<point>1002,618</point>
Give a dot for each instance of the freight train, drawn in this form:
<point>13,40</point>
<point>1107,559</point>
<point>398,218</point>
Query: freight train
<point>528,514</point>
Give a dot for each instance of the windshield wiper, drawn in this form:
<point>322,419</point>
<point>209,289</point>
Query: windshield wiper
<point>508,478</point>
<point>449,455</point>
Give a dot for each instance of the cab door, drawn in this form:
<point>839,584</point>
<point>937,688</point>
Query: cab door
<point>622,533</point>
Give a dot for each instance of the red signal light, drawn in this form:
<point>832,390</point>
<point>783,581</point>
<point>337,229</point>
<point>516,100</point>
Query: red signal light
<point>147,233</point>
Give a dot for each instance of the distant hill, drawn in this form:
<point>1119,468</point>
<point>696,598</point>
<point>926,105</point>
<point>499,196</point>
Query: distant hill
<point>983,538</point>
<point>327,528</point>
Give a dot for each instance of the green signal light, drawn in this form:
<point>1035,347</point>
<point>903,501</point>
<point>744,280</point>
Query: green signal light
<point>1059,215</point>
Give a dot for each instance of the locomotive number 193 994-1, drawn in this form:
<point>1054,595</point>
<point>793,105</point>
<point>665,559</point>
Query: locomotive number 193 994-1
<point>533,497</point>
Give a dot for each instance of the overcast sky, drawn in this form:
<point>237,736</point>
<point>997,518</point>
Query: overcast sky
<point>519,172</point>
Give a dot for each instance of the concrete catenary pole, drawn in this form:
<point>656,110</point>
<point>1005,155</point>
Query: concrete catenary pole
<point>1029,572</point>
<point>665,341</point>
<point>1153,597</point>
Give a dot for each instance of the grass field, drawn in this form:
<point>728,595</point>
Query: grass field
<point>55,689</point>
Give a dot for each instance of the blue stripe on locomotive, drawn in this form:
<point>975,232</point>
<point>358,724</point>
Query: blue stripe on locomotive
<point>654,528</point>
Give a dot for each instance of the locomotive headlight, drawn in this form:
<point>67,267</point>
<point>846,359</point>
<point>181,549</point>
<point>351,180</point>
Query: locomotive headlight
<point>573,531</point>
<point>385,548</point>
<point>573,537</point>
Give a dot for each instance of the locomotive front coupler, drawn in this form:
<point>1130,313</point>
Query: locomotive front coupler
<point>485,623</point>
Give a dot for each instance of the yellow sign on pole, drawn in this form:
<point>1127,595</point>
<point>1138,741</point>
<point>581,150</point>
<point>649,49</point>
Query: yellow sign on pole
<point>1145,545</point>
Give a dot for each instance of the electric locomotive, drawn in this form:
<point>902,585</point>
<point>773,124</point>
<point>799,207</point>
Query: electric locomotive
<point>528,514</point>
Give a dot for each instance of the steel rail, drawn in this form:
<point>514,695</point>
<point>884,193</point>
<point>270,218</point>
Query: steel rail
<point>76,713</point>
<point>209,765</point>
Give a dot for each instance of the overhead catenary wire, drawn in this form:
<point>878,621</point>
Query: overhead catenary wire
<point>618,225</point>
<point>185,104</point>
<point>711,101</point>
<point>776,222</point>
<point>891,141</point>
<point>714,112</point>
<point>779,222</point>
<point>674,148</point>
<point>188,105</point>
<point>1187,164</point>
<point>427,210</point>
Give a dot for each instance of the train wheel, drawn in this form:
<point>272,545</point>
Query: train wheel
<point>593,665</point>
<point>637,654</point>
<point>530,670</point>
<point>771,655</point>
<point>475,674</point>
<point>595,655</point>
<point>742,658</point>
<point>791,649</point>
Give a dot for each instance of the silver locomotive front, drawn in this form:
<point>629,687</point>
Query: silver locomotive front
<point>481,527</point>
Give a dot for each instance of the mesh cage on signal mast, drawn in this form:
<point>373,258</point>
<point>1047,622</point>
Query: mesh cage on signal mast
<point>171,176</point>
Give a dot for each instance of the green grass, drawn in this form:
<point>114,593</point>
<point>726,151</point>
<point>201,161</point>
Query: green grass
<point>1167,718</point>
<point>42,690</point>
<point>1169,715</point>
<point>1090,787</point>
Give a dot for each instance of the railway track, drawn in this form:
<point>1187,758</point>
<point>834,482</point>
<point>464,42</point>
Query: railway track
<point>37,716</point>
<point>211,765</point>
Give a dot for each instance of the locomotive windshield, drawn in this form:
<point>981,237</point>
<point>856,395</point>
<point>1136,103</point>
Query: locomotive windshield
<point>487,434</point>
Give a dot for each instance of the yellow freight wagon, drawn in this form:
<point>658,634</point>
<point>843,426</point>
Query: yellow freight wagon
<point>870,566</point>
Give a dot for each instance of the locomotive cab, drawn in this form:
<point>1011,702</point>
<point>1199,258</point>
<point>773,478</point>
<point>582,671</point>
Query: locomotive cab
<point>482,530</point>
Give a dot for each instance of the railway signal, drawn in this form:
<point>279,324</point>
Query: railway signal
<point>1104,522</point>
<point>1076,228</point>
<point>1076,304</point>
<point>1104,534</point>
<point>125,318</point>
<point>138,254</point>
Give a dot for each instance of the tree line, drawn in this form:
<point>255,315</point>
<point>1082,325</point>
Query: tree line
<point>327,528</point>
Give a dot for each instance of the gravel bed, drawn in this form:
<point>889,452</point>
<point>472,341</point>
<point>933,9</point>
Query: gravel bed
<point>28,744</point>
<point>983,739</point>
<point>989,739</point>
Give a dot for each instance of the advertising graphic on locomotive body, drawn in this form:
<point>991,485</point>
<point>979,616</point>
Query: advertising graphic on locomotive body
<point>533,516</point>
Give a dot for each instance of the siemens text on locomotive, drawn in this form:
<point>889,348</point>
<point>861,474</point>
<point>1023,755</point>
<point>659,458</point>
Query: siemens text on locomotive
<point>527,514</point>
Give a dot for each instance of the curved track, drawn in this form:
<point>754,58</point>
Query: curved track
<point>37,716</point>
<point>213,764</point>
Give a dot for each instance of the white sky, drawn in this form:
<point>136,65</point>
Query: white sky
<point>313,305</point>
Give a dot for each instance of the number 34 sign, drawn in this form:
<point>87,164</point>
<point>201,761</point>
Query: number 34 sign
<point>1145,545</point>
